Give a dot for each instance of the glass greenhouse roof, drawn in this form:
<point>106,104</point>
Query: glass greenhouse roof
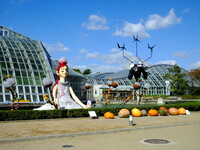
<point>155,77</point>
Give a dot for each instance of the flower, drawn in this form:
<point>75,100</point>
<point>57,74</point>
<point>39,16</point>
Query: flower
<point>44,96</point>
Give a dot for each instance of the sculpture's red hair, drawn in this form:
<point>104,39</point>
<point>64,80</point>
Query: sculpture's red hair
<point>62,62</point>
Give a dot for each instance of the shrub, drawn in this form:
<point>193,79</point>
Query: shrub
<point>6,115</point>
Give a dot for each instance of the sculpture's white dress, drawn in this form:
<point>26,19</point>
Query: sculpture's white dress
<point>64,99</point>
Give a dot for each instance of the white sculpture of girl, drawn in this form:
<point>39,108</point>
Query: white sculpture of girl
<point>64,96</point>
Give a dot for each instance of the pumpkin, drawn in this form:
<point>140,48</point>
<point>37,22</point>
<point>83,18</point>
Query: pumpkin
<point>181,111</point>
<point>173,111</point>
<point>114,84</point>
<point>153,112</point>
<point>124,113</point>
<point>136,85</point>
<point>164,108</point>
<point>87,86</point>
<point>109,115</point>
<point>136,112</point>
<point>162,112</point>
<point>143,112</point>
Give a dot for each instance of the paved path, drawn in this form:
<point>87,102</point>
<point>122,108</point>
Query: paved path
<point>183,132</point>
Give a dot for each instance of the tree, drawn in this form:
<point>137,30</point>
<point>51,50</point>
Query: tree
<point>195,73</point>
<point>77,70</point>
<point>178,84</point>
<point>195,76</point>
<point>87,71</point>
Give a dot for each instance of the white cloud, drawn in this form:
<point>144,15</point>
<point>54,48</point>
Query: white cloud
<point>82,51</point>
<point>130,28</point>
<point>195,65</point>
<point>181,54</point>
<point>153,22</point>
<point>81,67</point>
<point>56,47</point>
<point>115,57</point>
<point>186,10</point>
<point>96,23</point>
<point>169,62</point>
<point>18,1</point>
<point>106,68</point>
<point>156,21</point>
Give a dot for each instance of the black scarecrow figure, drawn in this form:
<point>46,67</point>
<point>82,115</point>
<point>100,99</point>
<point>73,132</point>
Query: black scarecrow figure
<point>137,70</point>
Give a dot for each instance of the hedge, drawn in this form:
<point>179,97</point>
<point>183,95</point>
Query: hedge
<point>6,115</point>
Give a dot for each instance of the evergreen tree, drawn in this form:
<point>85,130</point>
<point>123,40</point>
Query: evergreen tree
<point>178,84</point>
<point>86,71</point>
<point>77,70</point>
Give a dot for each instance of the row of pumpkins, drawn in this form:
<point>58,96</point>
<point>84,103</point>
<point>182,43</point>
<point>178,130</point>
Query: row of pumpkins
<point>162,111</point>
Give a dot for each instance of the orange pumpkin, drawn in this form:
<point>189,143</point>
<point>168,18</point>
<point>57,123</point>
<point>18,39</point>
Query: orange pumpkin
<point>86,86</point>
<point>173,111</point>
<point>136,112</point>
<point>114,84</point>
<point>181,111</point>
<point>153,112</point>
<point>136,85</point>
<point>109,115</point>
<point>124,113</point>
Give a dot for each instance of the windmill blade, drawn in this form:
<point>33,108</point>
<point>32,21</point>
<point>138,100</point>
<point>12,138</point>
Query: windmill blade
<point>118,45</point>
<point>124,46</point>
<point>151,48</point>
<point>136,38</point>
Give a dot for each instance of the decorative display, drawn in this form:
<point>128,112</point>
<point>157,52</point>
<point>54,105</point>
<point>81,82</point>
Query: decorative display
<point>137,70</point>
<point>9,85</point>
<point>173,111</point>
<point>111,84</point>
<point>143,112</point>
<point>181,111</point>
<point>136,112</point>
<point>63,94</point>
<point>109,115</point>
<point>153,112</point>
<point>124,113</point>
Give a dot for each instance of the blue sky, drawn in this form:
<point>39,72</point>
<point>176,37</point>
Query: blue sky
<point>86,32</point>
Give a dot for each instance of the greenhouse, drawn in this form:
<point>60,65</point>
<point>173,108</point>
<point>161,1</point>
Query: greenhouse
<point>27,61</point>
<point>158,86</point>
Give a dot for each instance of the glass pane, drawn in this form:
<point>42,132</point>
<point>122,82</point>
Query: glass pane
<point>28,97</point>
<point>35,98</point>
<point>17,73</point>
<point>39,89</point>
<point>3,65</point>
<point>19,81</point>
<point>22,66</point>
<point>25,81</point>
<point>1,98</point>
<point>27,90</point>
<point>33,89</point>
<point>16,66</point>
<point>8,98</point>
<point>31,81</point>
<point>38,81</point>
<point>20,89</point>
<point>41,99</point>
